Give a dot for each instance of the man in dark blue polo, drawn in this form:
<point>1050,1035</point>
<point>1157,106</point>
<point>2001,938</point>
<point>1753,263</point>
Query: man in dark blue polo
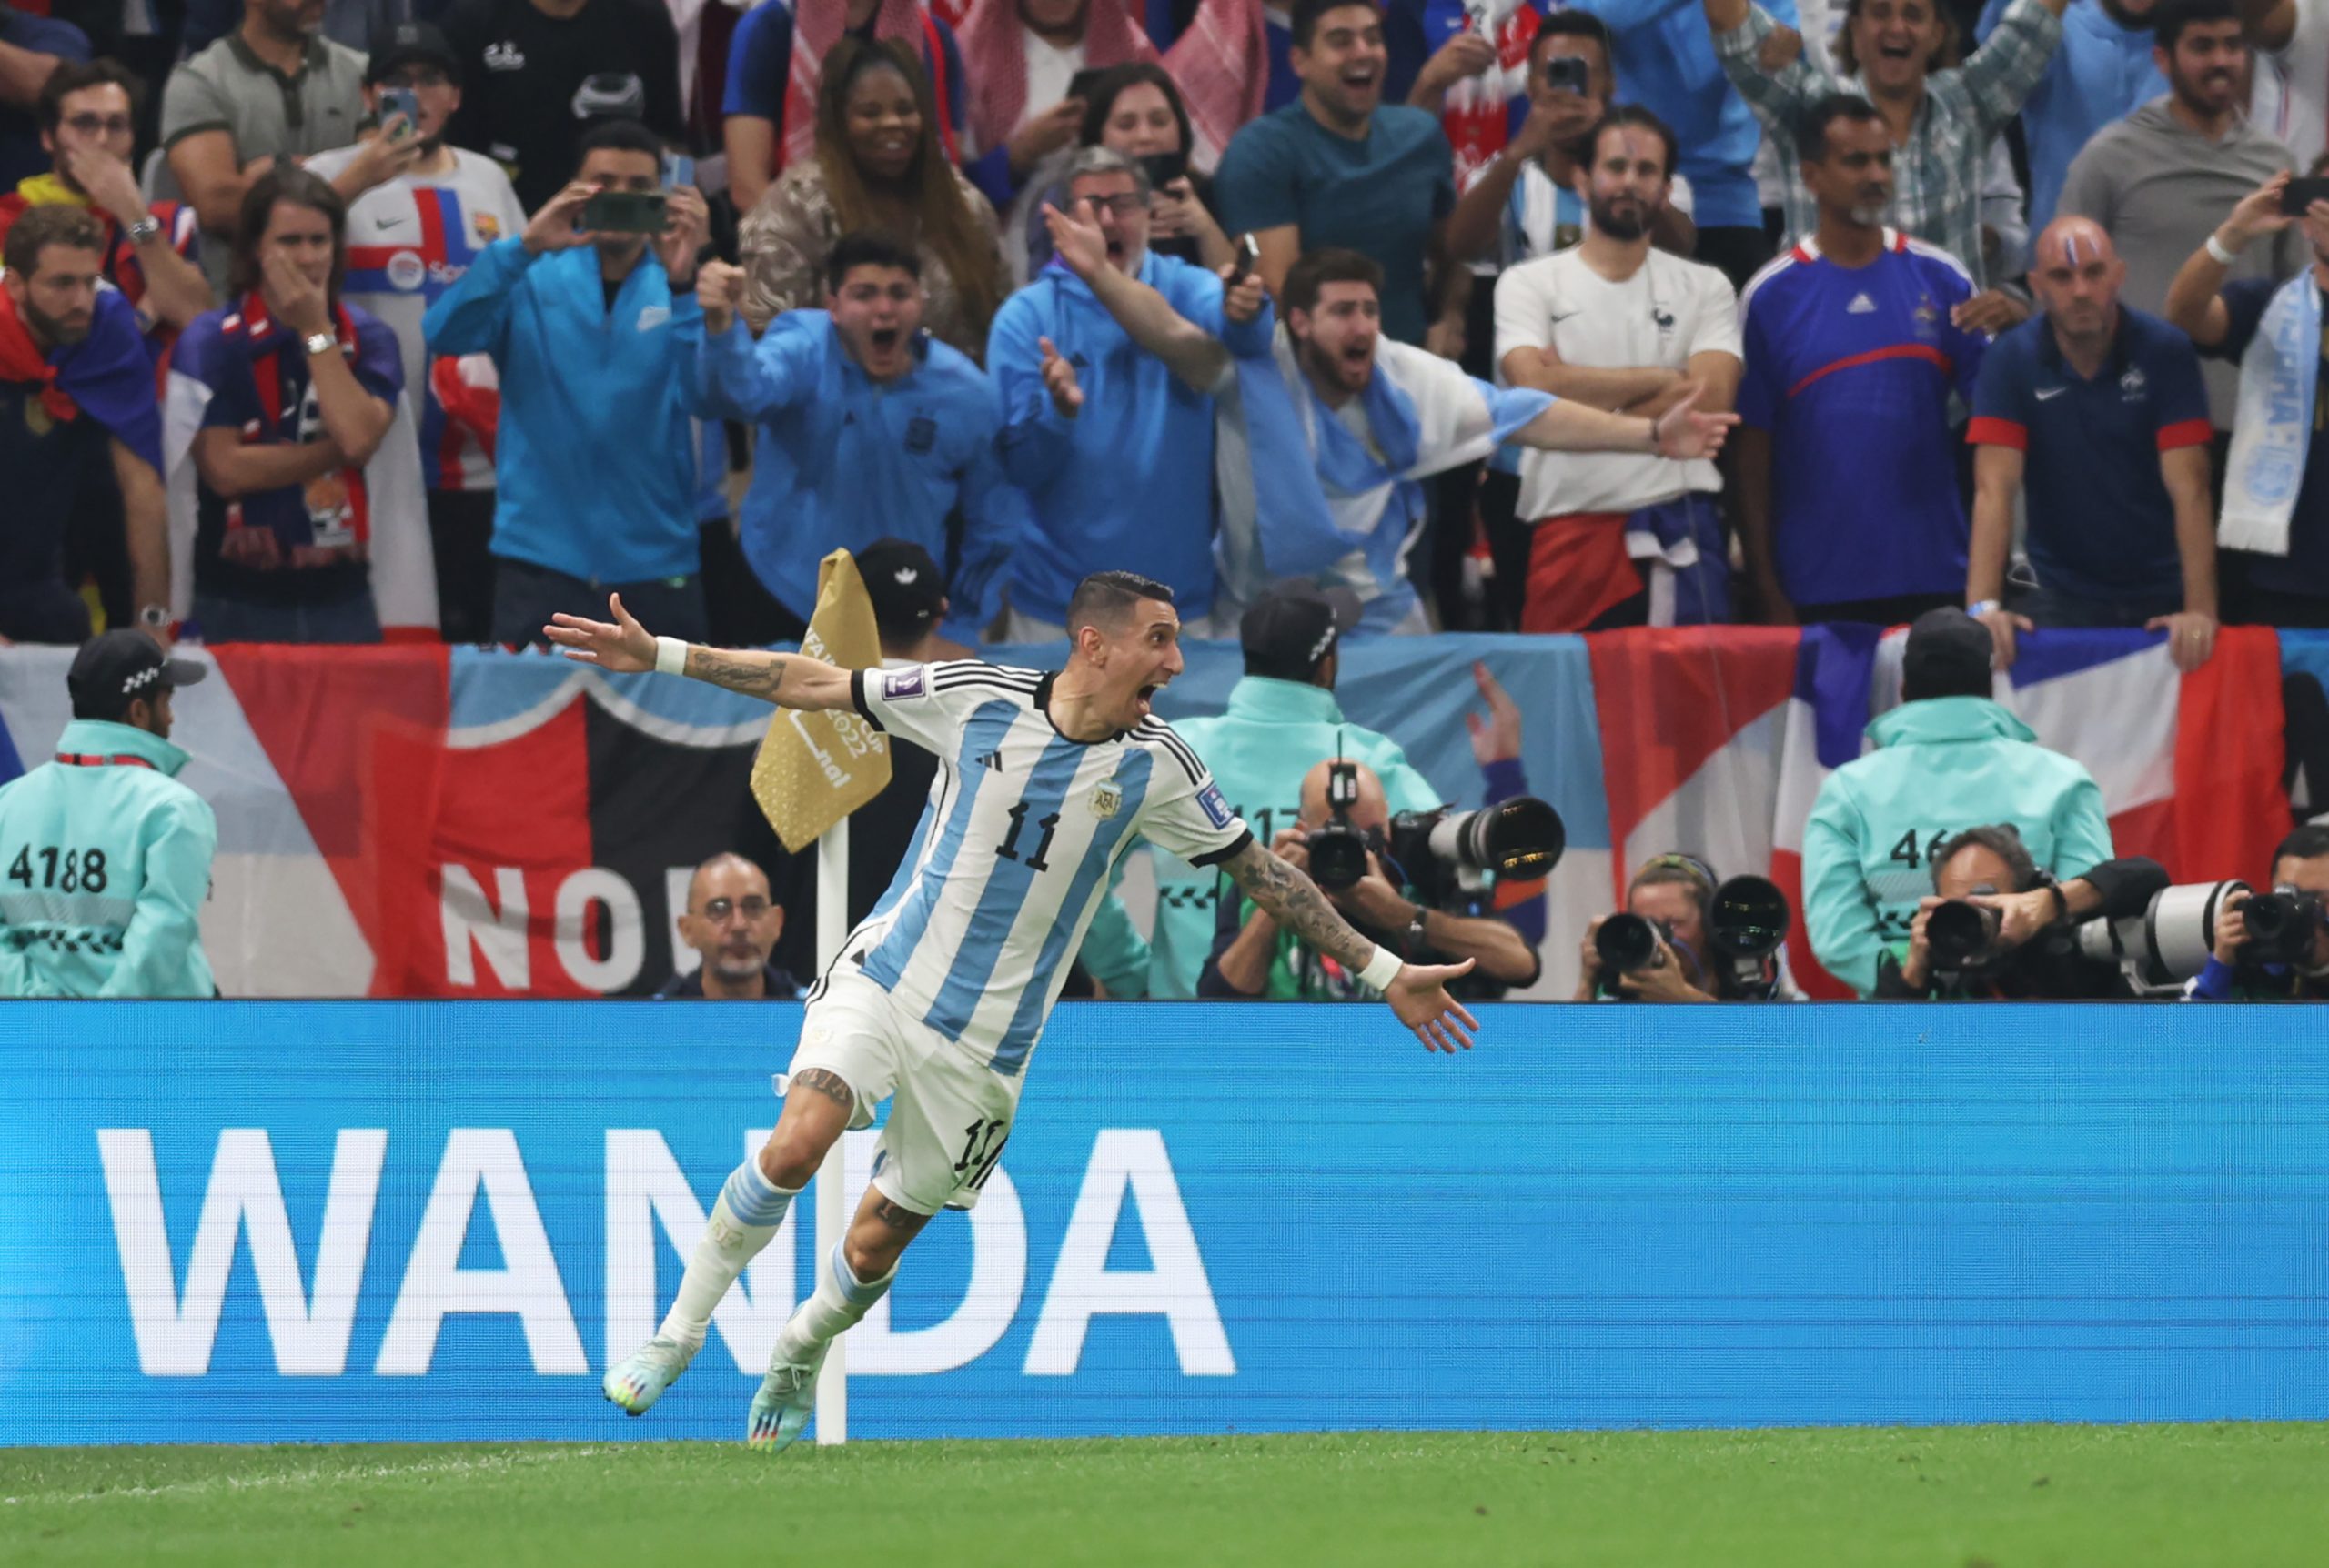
<point>2098,416</point>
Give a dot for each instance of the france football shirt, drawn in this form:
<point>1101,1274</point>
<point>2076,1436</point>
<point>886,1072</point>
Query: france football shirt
<point>1015,849</point>
<point>1851,369</point>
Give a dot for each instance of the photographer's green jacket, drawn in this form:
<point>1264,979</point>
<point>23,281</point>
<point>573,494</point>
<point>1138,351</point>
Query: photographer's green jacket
<point>105,860</point>
<point>1943,765</point>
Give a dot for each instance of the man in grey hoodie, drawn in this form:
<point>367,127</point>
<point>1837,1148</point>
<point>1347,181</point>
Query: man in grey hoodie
<point>2159,179</point>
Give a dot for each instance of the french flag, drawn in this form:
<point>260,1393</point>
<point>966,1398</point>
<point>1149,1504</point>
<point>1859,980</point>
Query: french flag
<point>1716,742</point>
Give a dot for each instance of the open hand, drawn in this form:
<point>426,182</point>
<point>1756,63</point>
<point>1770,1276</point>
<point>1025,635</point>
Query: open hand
<point>1059,380</point>
<point>1685,433</point>
<point>1077,241</point>
<point>1467,54</point>
<point>1497,738</point>
<point>2257,215</point>
<point>624,648</point>
<point>1419,994</point>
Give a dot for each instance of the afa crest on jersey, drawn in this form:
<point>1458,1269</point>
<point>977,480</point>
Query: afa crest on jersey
<point>1106,801</point>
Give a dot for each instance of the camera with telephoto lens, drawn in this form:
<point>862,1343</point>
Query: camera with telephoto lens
<point>1625,941</point>
<point>1960,935</point>
<point>2169,942</point>
<point>2281,926</point>
<point>1446,851</point>
<point>1745,926</point>
<point>1338,850</point>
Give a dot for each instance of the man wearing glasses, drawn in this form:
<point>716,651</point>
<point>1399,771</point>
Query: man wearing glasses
<point>87,127</point>
<point>1107,364</point>
<point>732,925</point>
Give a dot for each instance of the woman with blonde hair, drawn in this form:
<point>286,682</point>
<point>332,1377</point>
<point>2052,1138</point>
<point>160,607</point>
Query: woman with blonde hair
<point>881,165</point>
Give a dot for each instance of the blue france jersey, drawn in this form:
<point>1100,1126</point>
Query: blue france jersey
<point>1851,371</point>
<point>1012,856</point>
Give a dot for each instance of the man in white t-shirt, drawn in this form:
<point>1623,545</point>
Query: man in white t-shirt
<point>2289,98</point>
<point>1621,538</point>
<point>412,231</point>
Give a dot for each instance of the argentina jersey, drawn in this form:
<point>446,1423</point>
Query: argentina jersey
<point>1023,827</point>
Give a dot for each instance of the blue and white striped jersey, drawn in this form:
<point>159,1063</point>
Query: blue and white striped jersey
<point>1024,825</point>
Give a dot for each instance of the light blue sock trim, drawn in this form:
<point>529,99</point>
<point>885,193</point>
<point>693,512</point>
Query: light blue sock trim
<point>858,1292</point>
<point>752,1199</point>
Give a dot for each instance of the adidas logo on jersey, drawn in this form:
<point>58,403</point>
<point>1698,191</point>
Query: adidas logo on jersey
<point>1862,305</point>
<point>992,760</point>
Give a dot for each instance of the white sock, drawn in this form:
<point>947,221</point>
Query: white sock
<point>741,1223</point>
<point>839,1300</point>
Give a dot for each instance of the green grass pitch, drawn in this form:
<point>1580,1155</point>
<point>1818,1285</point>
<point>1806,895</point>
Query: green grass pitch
<point>1963,1497</point>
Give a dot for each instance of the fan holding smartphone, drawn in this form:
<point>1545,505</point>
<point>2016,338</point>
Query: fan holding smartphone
<point>1136,110</point>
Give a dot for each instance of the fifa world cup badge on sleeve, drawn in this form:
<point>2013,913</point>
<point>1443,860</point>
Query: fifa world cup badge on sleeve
<point>902,683</point>
<point>1216,809</point>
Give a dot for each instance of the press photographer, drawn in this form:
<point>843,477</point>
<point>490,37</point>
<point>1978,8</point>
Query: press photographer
<point>1683,937</point>
<point>2275,946</point>
<point>1997,928</point>
<point>1413,881</point>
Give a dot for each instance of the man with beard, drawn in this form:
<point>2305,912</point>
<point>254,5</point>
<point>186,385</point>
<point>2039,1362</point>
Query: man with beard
<point>2103,73</point>
<point>77,389</point>
<point>2095,414</point>
<point>272,88</point>
<point>1614,324</point>
<point>419,213</point>
<point>2158,180</point>
<point>1846,486</point>
<point>732,925</point>
<point>1325,440</point>
<point>1939,117</point>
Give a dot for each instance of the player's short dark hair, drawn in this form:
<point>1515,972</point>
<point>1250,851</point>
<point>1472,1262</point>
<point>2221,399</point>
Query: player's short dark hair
<point>2003,840</point>
<point>1308,277</point>
<point>287,181</point>
<point>51,223</point>
<point>79,77</point>
<point>1623,115</point>
<point>1105,598</point>
<point>868,247</point>
<point>2170,18</point>
<point>1576,25</point>
<point>2305,843</point>
<point>622,135</point>
<point>1811,131</point>
<point>1302,22</point>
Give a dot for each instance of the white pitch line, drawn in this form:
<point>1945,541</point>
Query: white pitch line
<point>482,1462</point>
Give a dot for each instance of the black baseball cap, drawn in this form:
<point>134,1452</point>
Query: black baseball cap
<point>412,43</point>
<point>115,668</point>
<point>1291,628</point>
<point>906,587</point>
<point>1950,654</point>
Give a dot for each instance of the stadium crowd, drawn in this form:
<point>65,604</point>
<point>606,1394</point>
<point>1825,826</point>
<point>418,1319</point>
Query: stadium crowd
<point>333,319</point>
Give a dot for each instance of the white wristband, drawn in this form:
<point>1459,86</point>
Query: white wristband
<point>1382,968</point>
<point>2215,248</point>
<point>670,655</point>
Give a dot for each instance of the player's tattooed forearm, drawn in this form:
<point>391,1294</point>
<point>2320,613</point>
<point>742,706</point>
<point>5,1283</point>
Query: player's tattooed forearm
<point>753,674</point>
<point>897,1218</point>
<point>829,1084</point>
<point>1295,901</point>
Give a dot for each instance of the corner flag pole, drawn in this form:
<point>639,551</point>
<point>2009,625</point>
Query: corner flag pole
<point>832,1202</point>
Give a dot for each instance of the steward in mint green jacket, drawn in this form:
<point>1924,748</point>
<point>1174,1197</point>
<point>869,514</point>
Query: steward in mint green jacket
<point>105,860</point>
<point>1943,764</point>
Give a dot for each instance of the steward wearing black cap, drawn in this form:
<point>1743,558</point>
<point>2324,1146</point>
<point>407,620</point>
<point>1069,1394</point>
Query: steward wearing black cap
<point>1947,759</point>
<point>105,856</point>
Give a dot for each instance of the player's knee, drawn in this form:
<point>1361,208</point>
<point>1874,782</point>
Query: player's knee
<point>870,1257</point>
<point>790,1156</point>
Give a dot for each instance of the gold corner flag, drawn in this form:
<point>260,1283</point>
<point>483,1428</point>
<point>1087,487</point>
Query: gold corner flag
<point>815,768</point>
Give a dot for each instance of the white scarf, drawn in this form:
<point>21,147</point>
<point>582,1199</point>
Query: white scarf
<point>2273,428</point>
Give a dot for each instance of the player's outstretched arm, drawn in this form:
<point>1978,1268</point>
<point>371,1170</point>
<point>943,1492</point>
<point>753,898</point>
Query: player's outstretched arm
<point>1417,992</point>
<point>788,679</point>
